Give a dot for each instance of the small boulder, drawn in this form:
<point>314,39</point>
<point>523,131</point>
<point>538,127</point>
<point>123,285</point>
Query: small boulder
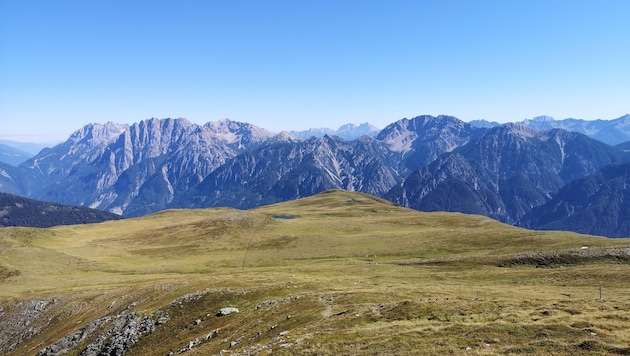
<point>212,334</point>
<point>227,311</point>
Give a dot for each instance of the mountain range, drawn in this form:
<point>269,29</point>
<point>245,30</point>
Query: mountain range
<point>612,132</point>
<point>506,172</point>
<point>348,132</point>
<point>510,172</point>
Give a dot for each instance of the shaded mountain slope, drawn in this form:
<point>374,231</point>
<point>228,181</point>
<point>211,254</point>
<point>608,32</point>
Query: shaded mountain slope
<point>598,204</point>
<point>14,179</point>
<point>290,170</point>
<point>20,211</point>
<point>504,173</point>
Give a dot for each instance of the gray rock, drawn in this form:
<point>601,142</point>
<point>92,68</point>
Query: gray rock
<point>212,334</point>
<point>227,311</point>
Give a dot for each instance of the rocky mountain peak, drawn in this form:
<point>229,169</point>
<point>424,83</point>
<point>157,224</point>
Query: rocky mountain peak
<point>348,132</point>
<point>423,138</point>
<point>352,131</point>
<point>521,130</point>
<point>234,132</point>
<point>284,136</point>
<point>543,118</point>
<point>484,123</point>
<point>623,122</point>
<point>97,134</point>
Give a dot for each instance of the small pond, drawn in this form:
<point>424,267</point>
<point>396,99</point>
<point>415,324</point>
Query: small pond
<point>284,217</point>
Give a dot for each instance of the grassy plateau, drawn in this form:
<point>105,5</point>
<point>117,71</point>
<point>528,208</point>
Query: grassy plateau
<point>339,273</point>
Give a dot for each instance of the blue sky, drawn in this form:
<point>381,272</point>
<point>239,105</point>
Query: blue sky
<point>291,65</point>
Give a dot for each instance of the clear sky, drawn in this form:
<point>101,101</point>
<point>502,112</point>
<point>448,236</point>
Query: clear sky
<point>291,65</point>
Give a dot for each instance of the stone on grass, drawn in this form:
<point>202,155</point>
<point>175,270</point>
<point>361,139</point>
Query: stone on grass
<point>227,311</point>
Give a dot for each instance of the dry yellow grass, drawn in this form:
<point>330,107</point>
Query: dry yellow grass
<point>348,274</point>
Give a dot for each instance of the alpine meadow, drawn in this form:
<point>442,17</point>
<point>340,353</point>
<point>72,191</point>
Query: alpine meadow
<point>337,273</point>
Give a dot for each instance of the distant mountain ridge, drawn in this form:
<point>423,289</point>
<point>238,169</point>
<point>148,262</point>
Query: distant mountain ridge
<point>426,162</point>
<point>12,155</point>
<point>612,132</point>
<point>28,147</point>
<point>348,132</point>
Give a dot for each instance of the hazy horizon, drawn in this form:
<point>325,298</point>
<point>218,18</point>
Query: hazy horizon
<point>286,65</point>
<point>43,143</point>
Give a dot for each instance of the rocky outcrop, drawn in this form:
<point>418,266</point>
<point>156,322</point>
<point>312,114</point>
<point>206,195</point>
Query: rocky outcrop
<point>125,333</point>
<point>118,333</point>
<point>66,343</point>
<point>22,320</point>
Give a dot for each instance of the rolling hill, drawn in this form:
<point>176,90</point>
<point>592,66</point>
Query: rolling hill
<point>335,273</point>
